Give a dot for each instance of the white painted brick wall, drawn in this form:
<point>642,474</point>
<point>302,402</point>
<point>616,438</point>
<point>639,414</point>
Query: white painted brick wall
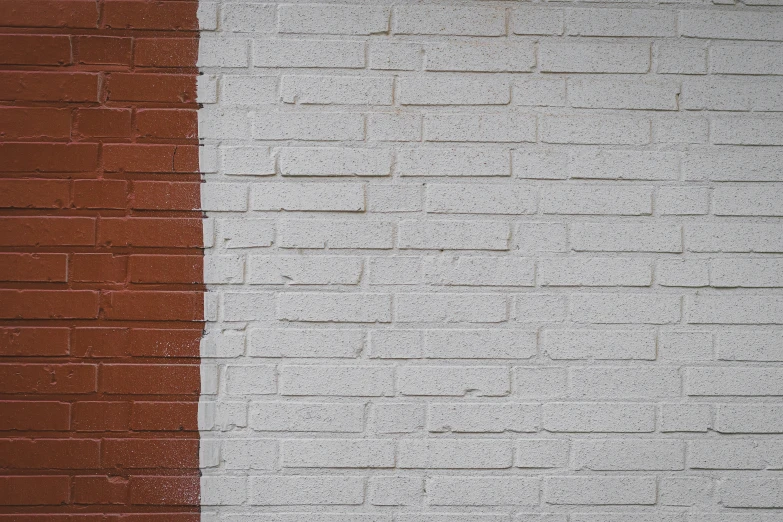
<point>492,262</point>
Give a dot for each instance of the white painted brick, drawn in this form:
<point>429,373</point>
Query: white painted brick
<point>749,345</point>
<point>242,233</point>
<point>392,126</point>
<point>540,164</point>
<point>542,237</point>
<point>249,454</point>
<point>451,308</point>
<point>290,52</point>
<point>334,307</point>
<point>625,308</point>
<point>334,161</point>
<point>751,493</point>
<point>337,453</point>
<point>312,270</point>
<point>305,517</point>
<point>601,93</point>
<point>682,201</point>
<point>455,453</point>
<point>537,20</point>
<point>326,126</point>
<point>396,344</point>
<point>453,90</point>
<point>599,417</point>
<point>731,25</point>
<point>757,199</point>
<point>456,381</point>
<point>498,128</point>
<point>483,418</point>
<point>271,490</point>
<point>454,235</point>
<point>595,272</point>
<point>621,237</point>
<point>598,344</point>
<point>578,199</point>
<point>222,270</point>
<point>207,16</point>
<point>451,517</point>
<point>478,271</point>
<point>224,197</point>
<point>483,491</point>
<point>544,92</point>
<point>734,381</point>
<point>395,491</point>
<point>557,56</point>
<point>734,309</point>
<point>732,94</point>
<point>610,130</point>
<point>449,20</point>
<point>399,417</point>
<point>320,197</point>
<point>747,272</point>
<point>395,270</point>
<point>531,308</point>
<point>338,90</point>
<point>222,52</point>
<point>247,306</point>
<point>725,454</point>
<point>746,131</point>
<point>600,490</point>
<point>675,128</point>
<point>310,417</point>
<point>335,234</point>
<point>749,418</point>
<point>542,453</point>
<point>683,272</point>
<point>333,19</point>
<point>623,164</point>
<point>480,56</point>
<point>392,56</point>
<point>686,417</point>
<point>213,123</point>
<point>247,161</point>
<point>225,343</point>
<point>479,344</point>
<point>223,491</point>
<point>624,383</point>
<point>725,236</point>
<point>290,342</point>
<point>207,88</point>
<point>248,90</point>
<point>628,455</point>
<point>250,380</point>
<point>248,18</point>
<point>395,198</point>
<point>480,199</point>
<point>537,382</point>
<point>621,22</point>
<point>657,516</point>
<point>686,346</point>
<point>756,59</point>
<point>347,381</point>
<point>733,516</point>
<point>453,161</point>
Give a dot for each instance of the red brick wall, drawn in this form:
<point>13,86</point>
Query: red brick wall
<point>101,289</point>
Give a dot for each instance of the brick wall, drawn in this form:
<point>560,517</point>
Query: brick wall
<point>492,261</point>
<point>101,270</point>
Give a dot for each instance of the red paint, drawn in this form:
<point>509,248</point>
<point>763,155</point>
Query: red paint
<point>101,265</point>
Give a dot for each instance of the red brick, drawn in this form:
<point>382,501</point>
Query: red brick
<point>102,123</point>
<point>134,87</point>
<point>164,416</point>
<point>34,341</point>
<point>47,231</point>
<point>100,489</point>
<point>35,491</point>
<point>97,268</point>
<point>103,50</point>
<point>146,342</point>
<point>47,378</point>
<point>21,123</point>
<point>100,193</point>
<point>167,123</point>
<point>48,304</point>
<point>48,157</point>
<point>166,269</point>
<point>144,14</point>
<point>34,193</point>
<point>33,267</point>
<point>34,416</point>
<point>48,86</point>
<point>22,49</point>
<point>165,195</point>
<point>150,453</point>
<point>153,517</point>
<point>99,342</point>
<point>150,232</point>
<point>151,379</point>
<point>154,306</point>
<point>164,491</point>
<point>101,416</point>
<point>53,517</point>
<point>49,454</point>
<point>166,52</point>
<point>119,157</point>
<point>49,13</point>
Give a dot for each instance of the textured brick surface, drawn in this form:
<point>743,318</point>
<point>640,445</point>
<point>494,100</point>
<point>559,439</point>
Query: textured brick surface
<point>467,261</point>
<point>101,267</point>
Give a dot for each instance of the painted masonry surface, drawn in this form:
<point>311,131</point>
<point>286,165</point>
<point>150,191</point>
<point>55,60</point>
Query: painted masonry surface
<point>453,261</point>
